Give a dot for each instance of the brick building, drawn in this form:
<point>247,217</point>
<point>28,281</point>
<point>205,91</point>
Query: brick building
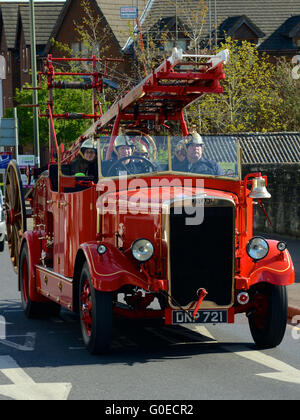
<point>15,41</point>
<point>55,20</point>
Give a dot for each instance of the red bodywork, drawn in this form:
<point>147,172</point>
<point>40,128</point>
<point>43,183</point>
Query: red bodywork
<point>64,215</point>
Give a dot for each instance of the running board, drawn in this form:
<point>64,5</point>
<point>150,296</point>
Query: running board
<point>54,286</point>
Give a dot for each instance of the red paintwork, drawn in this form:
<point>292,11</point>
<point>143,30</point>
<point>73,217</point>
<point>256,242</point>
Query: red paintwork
<point>111,270</point>
<point>276,268</point>
<point>72,218</point>
<point>85,299</point>
<point>34,252</point>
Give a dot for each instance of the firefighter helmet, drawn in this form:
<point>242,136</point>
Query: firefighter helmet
<point>89,144</point>
<point>122,140</point>
<point>140,149</point>
<point>194,138</point>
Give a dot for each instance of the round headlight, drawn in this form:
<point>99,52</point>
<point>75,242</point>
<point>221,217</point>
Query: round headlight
<point>142,250</point>
<point>257,248</point>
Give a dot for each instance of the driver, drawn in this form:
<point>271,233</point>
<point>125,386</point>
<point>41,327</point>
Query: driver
<point>123,148</point>
<point>194,161</point>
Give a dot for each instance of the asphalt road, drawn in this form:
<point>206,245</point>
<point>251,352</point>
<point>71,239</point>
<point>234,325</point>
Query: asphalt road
<point>45,359</point>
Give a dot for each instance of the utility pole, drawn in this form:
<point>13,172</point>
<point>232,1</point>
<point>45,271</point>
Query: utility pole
<point>216,26</point>
<point>210,25</point>
<point>34,85</point>
<point>176,15</point>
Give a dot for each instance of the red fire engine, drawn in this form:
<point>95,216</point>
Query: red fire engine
<point>161,230</point>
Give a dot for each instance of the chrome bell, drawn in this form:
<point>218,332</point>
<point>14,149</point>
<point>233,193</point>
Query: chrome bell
<point>259,189</point>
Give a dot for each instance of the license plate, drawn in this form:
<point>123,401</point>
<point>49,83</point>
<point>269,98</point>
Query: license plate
<point>202,317</point>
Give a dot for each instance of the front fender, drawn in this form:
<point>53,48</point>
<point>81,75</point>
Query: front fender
<point>111,270</point>
<point>277,268</point>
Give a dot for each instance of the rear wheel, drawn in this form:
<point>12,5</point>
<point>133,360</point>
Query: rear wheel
<point>96,315</point>
<point>1,246</point>
<point>268,320</point>
<point>32,309</point>
<point>15,212</point>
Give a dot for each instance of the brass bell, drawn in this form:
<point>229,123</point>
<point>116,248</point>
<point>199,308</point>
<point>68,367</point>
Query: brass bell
<point>259,189</point>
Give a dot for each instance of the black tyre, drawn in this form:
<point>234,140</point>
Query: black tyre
<point>96,315</point>
<point>2,246</point>
<point>32,309</point>
<point>268,321</point>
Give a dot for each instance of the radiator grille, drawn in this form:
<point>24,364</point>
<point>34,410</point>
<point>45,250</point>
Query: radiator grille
<point>202,256</point>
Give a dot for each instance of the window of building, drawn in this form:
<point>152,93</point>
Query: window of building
<point>180,43</point>
<point>75,46</point>
<point>80,48</point>
<point>28,58</point>
<point>8,62</point>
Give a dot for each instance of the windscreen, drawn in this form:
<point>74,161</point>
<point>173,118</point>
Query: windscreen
<point>137,153</point>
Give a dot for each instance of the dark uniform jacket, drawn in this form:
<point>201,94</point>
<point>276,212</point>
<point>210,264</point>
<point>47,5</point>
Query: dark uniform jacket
<point>134,166</point>
<point>202,166</point>
<point>81,165</point>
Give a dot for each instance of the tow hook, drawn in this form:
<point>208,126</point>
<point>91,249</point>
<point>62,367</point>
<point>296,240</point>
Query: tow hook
<point>201,293</point>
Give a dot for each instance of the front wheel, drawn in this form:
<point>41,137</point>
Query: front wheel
<point>96,315</point>
<point>268,320</point>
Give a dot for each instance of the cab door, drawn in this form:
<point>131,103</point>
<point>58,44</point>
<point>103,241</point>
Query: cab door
<point>59,227</point>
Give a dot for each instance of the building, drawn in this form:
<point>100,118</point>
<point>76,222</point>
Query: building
<point>56,21</point>
<point>15,41</point>
<point>273,25</point>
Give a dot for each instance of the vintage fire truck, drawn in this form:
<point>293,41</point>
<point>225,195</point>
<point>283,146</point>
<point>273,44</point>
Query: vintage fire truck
<point>146,236</point>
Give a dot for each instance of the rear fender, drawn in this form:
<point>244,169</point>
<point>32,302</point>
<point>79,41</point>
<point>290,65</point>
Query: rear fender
<point>34,253</point>
<point>277,268</point>
<point>111,270</point>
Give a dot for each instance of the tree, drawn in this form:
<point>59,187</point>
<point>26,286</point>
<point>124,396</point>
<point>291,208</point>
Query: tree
<point>250,102</point>
<point>95,39</point>
<point>64,101</point>
<point>150,44</point>
<point>289,91</point>
<point>194,15</point>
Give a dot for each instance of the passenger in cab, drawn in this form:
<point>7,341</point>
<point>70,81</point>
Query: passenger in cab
<point>85,163</point>
<point>195,162</point>
<point>180,152</point>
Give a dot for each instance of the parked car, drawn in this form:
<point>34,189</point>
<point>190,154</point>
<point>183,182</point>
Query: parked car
<point>2,224</point>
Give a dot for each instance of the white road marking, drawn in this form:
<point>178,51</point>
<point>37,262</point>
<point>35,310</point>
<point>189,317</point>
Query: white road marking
<point>24,388</point>
<point>2,328</point>
<point>27,346</point>
<point>203,331</point>
<point>285,372</point>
